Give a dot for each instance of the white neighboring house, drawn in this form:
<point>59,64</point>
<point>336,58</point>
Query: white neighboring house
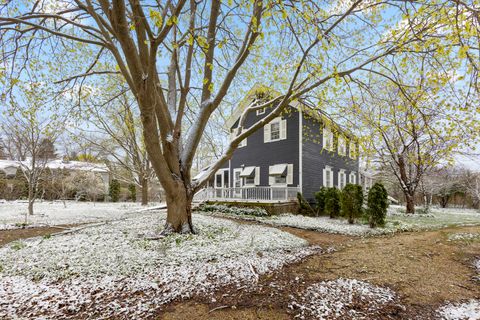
<point>10,167</point>
<point>367,178</point>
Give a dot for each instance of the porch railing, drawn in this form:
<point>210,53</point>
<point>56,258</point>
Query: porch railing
<point>247,194</point>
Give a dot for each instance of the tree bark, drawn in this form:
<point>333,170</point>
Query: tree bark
<point>410,203</point>
<point>144,191</point>
<point>31,199</point>
<point>179,210</point>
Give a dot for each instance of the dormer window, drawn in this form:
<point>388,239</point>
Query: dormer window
<point>260,111</point>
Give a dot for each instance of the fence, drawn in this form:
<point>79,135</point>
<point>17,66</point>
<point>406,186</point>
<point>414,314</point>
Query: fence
<point>248,194</point>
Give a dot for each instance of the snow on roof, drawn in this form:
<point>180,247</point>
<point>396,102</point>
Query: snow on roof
<point>8,163</point>
<point>309,109</point>
<point>59,164</point>
<point>201,174</point>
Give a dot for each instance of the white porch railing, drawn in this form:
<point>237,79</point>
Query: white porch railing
<point>247,194</point>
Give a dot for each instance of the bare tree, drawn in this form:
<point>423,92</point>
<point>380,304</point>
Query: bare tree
<point>25,128</point>
<point>114,131</point>
<point>471,181</point>
<point>183,57</point>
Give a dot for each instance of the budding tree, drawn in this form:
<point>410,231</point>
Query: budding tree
<point>28,127</point>
<point>114,129</point>
<point>182,58</point>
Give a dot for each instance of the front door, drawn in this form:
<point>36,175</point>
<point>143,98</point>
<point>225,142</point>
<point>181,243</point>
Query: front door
<point>221,183</point>
<point>237,183</point>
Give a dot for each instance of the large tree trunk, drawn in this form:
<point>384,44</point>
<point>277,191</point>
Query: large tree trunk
<point>179,210</point>
<point>144,191</point>
<point>410,203</point>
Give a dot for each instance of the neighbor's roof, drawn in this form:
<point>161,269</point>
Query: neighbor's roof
<point>60,164</point>
<point>307,108</point>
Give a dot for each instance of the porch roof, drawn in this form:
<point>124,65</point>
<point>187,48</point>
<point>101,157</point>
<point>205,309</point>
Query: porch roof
<point>278,170</point>
<point>247,172</point>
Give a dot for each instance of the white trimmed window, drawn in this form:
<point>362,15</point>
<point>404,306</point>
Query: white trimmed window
<point>352,152</point>
<point>353,177</point>
<point>275,130</point>
<point>327,139</point>
<point>234,133</point>
<point>342,146</point>
<point>250,176</point>
<point>280,174</point>
<point>342,179</point>
<point>328,177</point>
<point>260,111</point>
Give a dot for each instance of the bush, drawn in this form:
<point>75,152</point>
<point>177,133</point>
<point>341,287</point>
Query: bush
<point>258,212</point>
<point>304,208</point>
<point>351,202</point>
<point>332,202</point>
<point>133,192</point>
<point>320,200</point>
<point>20,185</point>
<point>114,190</point>
<point>377,205</point>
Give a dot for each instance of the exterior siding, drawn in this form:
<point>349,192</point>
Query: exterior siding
<point>259,154</point>
<point>315,158</point>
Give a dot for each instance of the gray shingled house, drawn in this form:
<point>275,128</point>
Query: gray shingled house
<point>299,151</point>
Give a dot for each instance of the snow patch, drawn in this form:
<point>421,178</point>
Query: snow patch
<point>463,236</point>
<point>469,310</point>
<point>12,213</point>
<point>338,299</point>
<point>113,271</point>
<point>322,224</point>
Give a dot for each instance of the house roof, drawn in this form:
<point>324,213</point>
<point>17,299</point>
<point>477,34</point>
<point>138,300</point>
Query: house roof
<point>59,164</point>
<point>307,108</point>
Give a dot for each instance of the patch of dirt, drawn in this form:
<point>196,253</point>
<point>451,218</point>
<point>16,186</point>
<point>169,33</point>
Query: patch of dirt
<point>7,236</point>
<point>423,268</point>
<point>193,310</point>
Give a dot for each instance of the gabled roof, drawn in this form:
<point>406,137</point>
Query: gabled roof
<point>307,108</point>
<point>59,164</point>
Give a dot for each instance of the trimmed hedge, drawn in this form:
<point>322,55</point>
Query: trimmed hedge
<point>114,190</point>
<point>377,205</point>
<point>332,202</point>
<point>320,200</point>
<point>351,202</point>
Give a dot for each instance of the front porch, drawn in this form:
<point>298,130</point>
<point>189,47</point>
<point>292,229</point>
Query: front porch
<point>248,194</point>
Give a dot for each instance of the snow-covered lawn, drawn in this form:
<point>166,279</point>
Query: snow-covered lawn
<point>464,236</point>
<point>12,213</point>
<point>460,311</point>
<point>113,271</point>
<point>395,222</point>
<point>342,299</point>
<point>437,218</point>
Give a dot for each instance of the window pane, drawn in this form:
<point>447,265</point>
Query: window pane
<point>250,180</point>
<point>275,131</point>
<point>280,179</point>
<point>225,179</point>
